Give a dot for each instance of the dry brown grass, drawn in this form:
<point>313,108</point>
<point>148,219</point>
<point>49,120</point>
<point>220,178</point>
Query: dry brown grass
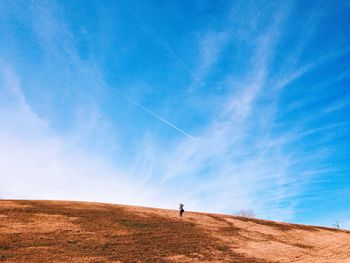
<point>54,231</point>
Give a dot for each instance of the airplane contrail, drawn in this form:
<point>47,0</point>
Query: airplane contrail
<point>153,114</point>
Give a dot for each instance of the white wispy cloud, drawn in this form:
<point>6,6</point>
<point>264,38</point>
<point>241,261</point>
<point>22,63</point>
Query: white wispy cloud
<point>236,162</point>
<point>210,48</point>
<point>38,163</point>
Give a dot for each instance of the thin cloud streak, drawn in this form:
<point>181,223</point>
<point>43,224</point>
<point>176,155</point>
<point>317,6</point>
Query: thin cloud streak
<point>157,116</point>
<point>210,45</point>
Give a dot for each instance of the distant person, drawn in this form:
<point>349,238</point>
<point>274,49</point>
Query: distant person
<point>181,208</point>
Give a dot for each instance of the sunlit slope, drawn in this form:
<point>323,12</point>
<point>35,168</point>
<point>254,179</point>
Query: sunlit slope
<point>57,231</point>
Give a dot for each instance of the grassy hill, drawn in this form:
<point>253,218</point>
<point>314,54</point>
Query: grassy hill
<point>59,231</point>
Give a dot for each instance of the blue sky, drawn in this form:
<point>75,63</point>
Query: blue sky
<point>220,105</point>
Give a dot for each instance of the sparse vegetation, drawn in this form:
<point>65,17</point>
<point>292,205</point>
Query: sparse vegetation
<point>246,213</point>
<point>336,224</point>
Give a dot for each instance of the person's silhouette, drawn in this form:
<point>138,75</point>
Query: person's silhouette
<point>181,208</point>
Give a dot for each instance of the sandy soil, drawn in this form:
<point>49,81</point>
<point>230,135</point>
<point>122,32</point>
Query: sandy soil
<point>58,231</point>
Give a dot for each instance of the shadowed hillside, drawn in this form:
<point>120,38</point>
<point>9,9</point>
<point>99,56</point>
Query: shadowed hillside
<point>58,231</point>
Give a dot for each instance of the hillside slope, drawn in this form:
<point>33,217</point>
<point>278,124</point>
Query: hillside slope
<point>58,231</point>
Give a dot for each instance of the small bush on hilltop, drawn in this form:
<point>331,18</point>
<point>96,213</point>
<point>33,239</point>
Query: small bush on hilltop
<point>246,213</point>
